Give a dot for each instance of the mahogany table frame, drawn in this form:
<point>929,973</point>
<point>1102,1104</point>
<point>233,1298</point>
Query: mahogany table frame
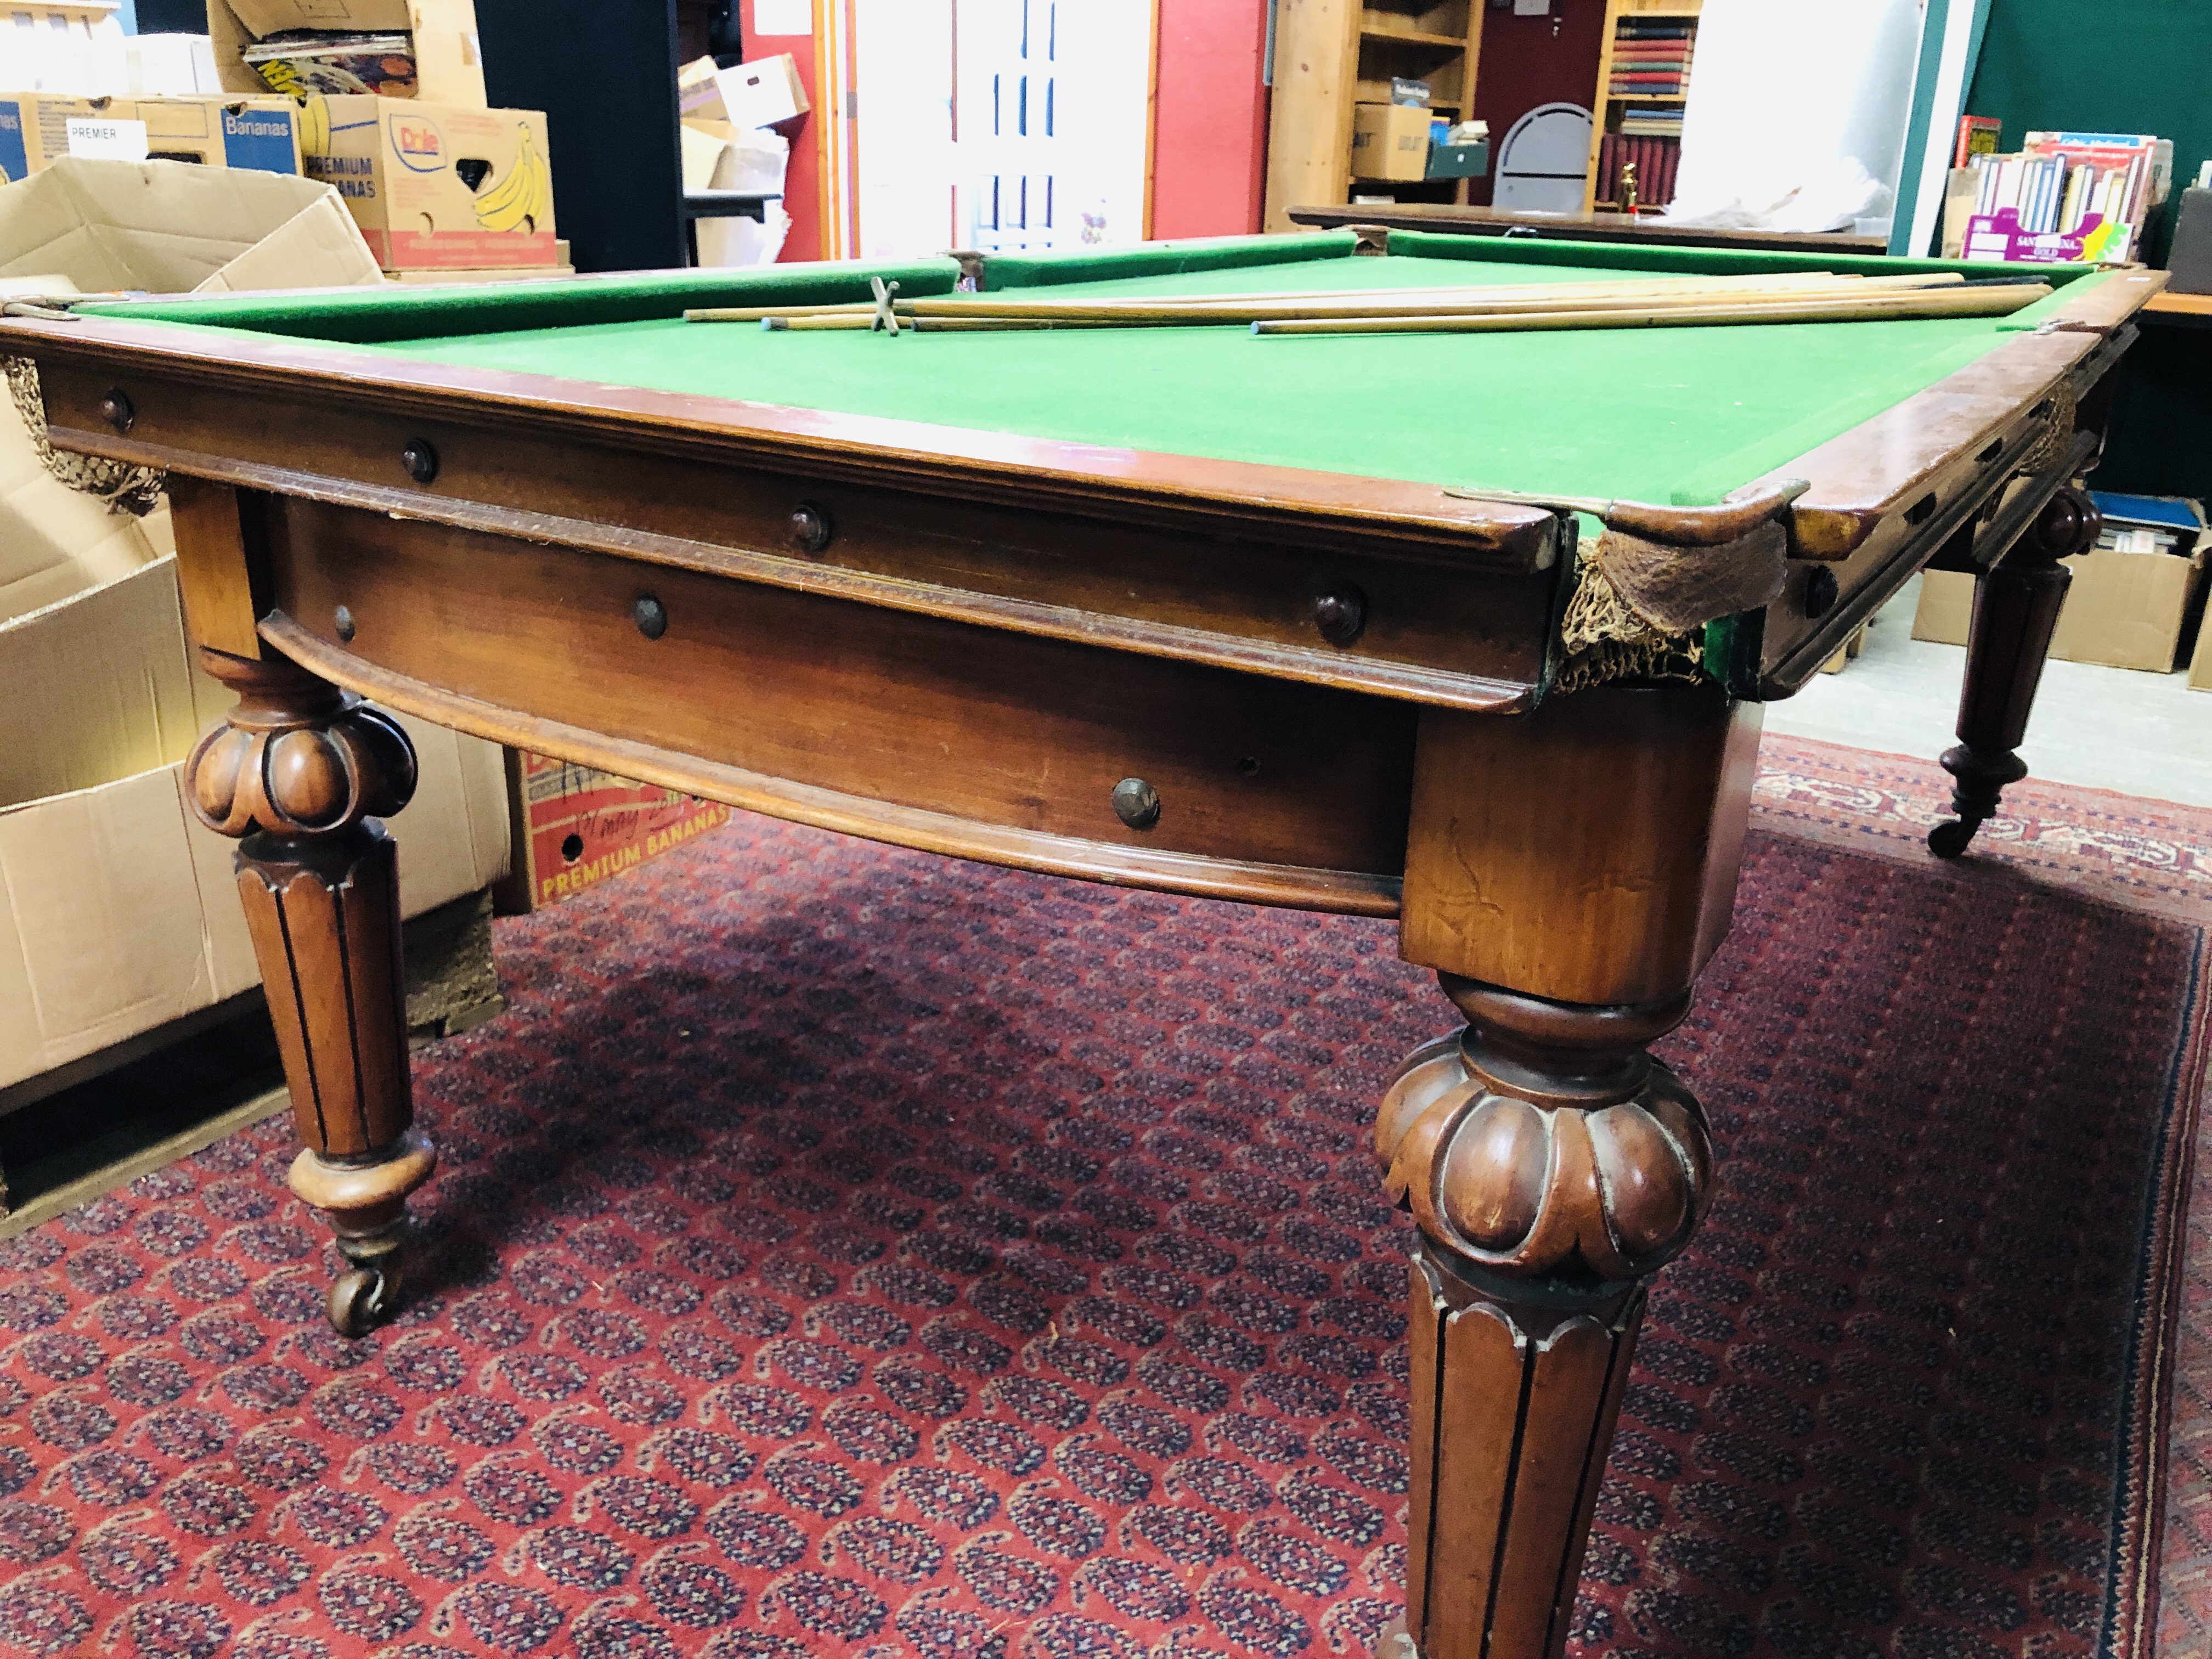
<point>1245,681</point>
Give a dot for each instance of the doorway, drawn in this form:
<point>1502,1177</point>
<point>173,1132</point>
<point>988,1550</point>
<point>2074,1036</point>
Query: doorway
<point>1000,124</point>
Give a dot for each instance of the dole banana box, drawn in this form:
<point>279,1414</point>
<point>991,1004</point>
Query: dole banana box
<point>436,186</point>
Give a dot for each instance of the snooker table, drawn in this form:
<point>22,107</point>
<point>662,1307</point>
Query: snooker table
<point>1472,630</point>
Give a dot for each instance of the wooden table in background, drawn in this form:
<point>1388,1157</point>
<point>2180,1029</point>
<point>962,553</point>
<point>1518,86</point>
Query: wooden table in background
<point>1577,227</point>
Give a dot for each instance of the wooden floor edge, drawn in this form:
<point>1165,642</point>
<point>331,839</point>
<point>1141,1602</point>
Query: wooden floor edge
<point>1343,892</point>
<point>160,1154</point>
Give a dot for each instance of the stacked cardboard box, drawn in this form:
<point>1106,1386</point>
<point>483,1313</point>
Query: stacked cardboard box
<point>2131,600</point>
<point>726,117</point>
<point>71,84</point>
<point>37,129</point>
<point>122,913</point>
<point>437,181</point>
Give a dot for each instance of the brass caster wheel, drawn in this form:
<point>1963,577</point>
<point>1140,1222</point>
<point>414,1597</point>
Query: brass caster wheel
<point>360,1299</point>
<point>1949,838</point>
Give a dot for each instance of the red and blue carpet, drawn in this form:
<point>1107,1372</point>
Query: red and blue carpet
<point>837,1249</point>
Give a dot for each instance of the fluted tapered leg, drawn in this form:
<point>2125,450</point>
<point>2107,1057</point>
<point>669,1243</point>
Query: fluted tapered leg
<point>1551,1166</point>
<point>298,772</point>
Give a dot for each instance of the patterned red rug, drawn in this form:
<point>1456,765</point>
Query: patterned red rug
<point>840,1249</point>
<point>2145,853</point>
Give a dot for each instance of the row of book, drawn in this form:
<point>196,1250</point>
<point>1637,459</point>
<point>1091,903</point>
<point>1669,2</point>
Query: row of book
<point>2060,181</point>
<point>1651,121</point>
<point>1656,161</point>
<point>1651,58</point>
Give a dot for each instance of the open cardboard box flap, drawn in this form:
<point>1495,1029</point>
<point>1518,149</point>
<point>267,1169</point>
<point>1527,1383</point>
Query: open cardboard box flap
<point>448,61</point>
<point>170,226</point>
<point>119,911</point>
<point>114,922</point>
<point>54,541</point>
<point>100,687</point>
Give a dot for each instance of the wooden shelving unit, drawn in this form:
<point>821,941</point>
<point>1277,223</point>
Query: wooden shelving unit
<point>1329,56</point>
<point>1607,109</point>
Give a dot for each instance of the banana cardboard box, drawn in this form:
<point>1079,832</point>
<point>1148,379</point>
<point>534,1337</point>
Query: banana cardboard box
<point>215,130</point>
<point>436,186</point>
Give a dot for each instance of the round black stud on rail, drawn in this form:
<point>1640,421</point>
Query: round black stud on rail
<point>1136,803</point>
<point>342,624</point>
<point>420,457</point>
<point>1821,592</point>
<point>115,408</point>
<point>810,529</point>
<point>650,616</point>
<point>1340,611</point>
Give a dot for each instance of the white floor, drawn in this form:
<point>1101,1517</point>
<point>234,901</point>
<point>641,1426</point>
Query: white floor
<point>2105,728</point>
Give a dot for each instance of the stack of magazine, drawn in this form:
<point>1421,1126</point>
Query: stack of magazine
<point>2101,185</point>
<point>301,62</point>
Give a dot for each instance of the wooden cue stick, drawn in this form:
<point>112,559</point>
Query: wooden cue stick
<point>951,303</point>
<point>1969,302</point>
<point>1434,317</point>
<point>1475,303</point>
<point>1426,316</point>
<point>1387,300</point>
<point>817,322</point>
<point>1472,305</point>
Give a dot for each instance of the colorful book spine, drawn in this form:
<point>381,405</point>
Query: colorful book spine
<point>1977,136</point>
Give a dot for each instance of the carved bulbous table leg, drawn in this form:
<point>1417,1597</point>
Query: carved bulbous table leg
<point>1551,1166</point>
<point>2015,611</point>
<point>301,771</point>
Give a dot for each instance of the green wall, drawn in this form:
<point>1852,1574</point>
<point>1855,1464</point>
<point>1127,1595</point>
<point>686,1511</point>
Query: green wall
<point>2108,66</point>
<point>2122,66</point>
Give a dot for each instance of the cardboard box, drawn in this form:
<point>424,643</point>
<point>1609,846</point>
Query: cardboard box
<point>519,273</point>
<point>2200,665</point>
<point>261,134</point>
<point>448,61</point>
<point>122,913</point>
<point>1961,191</point>
<point>761,94</point>
<point>38,129</point>
<point>572,827</point>
<point>2123,609</point>
<point>2126,610</point>
<point>1946,611</point>
<point>34,128</point>
<point>169,227</point>
<point>1389,141</point>
<point>55,541</point>
<point>699,92</point>
<point>403,167</point>
<point>76,47</point>
<point>718,156</point>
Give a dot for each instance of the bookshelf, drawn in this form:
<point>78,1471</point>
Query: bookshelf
<point>1610,111</point>
<point>1329,56</point>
